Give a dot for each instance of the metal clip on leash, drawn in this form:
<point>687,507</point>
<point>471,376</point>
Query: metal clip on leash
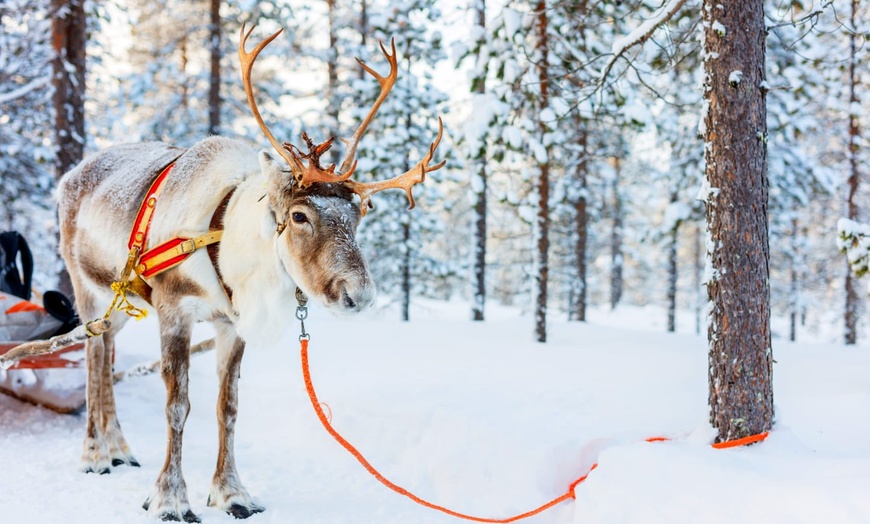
<point>302,313</point>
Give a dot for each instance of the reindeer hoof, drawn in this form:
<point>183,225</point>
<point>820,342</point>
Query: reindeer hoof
<point>120,462</point>
<point>189,516</point>
<point>238,506</point>
<point>242,512</point>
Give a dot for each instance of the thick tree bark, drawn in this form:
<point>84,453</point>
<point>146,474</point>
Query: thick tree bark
<point>477,310</point>
<point>69,39</point>
<point>740,356</point>
<point>542,185</point>
<point>214,88</point>
<point>850,315</point>
<point>616,259</point>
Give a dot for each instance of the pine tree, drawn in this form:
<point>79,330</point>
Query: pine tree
<point>850,315</point>
<point>394,238</point>
<point>27,130</point>
<point>741,394</point>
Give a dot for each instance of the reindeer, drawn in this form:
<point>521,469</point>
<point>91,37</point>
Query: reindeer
<point>284,226</point>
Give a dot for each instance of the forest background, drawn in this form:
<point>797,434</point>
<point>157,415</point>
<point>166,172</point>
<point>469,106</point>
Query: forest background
<point>520,85</point>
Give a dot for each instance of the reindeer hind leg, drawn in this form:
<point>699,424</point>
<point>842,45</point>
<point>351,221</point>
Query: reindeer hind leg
<point>119,451</point>
<point>95,448</point>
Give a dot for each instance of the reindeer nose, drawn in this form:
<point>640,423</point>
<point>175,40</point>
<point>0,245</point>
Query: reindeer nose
<point>357,298</point>
<point>348,302</point>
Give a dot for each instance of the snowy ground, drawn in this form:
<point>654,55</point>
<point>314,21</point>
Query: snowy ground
<point>476,417</point>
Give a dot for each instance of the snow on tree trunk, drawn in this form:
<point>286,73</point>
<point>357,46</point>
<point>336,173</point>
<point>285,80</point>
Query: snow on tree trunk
<point>214,91</point>
<point>69,37</point>
<point>479,167</point>
<point>406,268</point>
<point>672,272</point>
<point>542,226</point>
<point>582,230</point>
<point>740,356</point>
<point>333,101</point>
<point>616,258</point>
<point>794,277</point>
<point>698,277</point>
<point>850,315</point>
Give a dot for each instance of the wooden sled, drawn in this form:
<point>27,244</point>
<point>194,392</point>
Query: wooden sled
<point>27,380</point>
<point>62,399</point>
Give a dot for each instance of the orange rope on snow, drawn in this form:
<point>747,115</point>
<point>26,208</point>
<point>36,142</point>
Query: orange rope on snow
<point>316,404</point>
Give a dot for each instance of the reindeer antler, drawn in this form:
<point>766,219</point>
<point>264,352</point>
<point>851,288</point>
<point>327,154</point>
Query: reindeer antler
<point>404,181</point>
<point>247,62</point>
<point>311,172</point>
<point>387,83</point>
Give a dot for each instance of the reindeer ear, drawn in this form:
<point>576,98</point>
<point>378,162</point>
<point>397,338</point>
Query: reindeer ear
<point>279,183</point>
<point>276,172</point>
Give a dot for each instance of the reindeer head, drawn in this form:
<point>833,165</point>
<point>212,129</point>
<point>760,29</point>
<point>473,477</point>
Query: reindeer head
<point>313,206</point>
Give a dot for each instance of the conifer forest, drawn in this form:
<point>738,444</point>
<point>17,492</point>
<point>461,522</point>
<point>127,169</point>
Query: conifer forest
<point>705,160</point>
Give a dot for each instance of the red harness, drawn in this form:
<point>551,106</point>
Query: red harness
<point>147,263</point>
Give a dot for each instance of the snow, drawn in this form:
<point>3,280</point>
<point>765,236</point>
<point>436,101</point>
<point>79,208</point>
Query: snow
<point>474,416</point>
<point>620,44</point>
<point>735,77</point>
<point>15,94</point>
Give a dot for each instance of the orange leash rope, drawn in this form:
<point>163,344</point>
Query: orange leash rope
<point>312,395</point>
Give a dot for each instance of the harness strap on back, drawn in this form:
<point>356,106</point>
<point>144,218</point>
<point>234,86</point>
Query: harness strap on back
<point>142,263</point>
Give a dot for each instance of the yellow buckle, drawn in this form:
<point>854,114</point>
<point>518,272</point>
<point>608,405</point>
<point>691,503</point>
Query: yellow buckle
<point>188,246</point>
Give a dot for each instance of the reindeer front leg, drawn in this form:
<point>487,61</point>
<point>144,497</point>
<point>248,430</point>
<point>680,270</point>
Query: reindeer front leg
<point>168,500</point>
<point>227,492</point>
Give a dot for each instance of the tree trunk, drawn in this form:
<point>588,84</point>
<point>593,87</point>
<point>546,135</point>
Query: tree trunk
<point>741,393</point>
<point>69,39</point>
<point>851,310</point>
<point>363,30</point>
<point>185,102</point>
<point>794,277</point>
<point>581,224</point>
<point>406,268</point>
<point>672,273</point>
<point>214,93</point>
<point>332,102</point>
<point>477,311</point>
<point>698,278</point>
<point>542,239</point>
<point>616,259</point>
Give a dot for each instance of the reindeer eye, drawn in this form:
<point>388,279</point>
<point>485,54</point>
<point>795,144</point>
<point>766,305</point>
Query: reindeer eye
<point>299,218</point>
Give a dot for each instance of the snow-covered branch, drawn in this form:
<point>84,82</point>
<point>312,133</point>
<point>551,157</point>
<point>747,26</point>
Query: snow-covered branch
<point>640,35</point>
<point>853,239</point>
<point>24,90</point>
